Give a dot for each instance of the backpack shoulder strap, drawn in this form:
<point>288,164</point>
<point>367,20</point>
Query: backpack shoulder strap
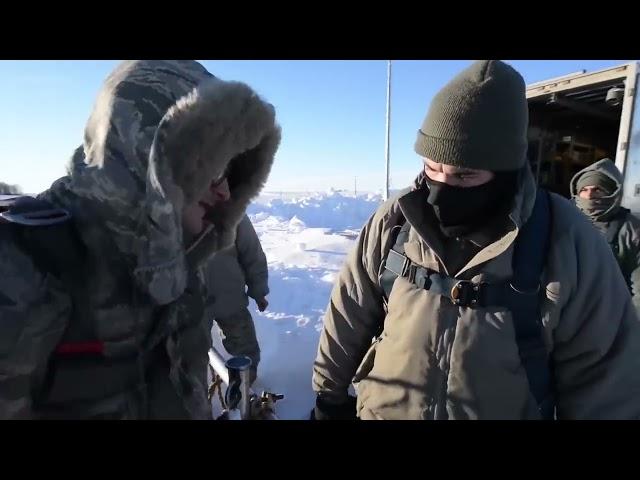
<point>46,233</point>
<point>394,261</point>
<point>532,245</point>
<point>529,259</point>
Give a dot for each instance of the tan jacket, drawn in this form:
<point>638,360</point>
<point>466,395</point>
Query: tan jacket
<point>435,360</point>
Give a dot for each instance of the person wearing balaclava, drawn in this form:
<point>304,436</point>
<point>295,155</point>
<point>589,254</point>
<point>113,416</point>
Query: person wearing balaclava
<point>597,192</point>
<point>424,351</point>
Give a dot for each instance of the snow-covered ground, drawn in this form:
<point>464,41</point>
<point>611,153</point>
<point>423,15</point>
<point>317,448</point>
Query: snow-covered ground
<point>306,239</point>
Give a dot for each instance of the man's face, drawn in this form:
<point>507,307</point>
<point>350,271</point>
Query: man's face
<point>456,176</point>
<point>193,215</point>
<point>591,191</point>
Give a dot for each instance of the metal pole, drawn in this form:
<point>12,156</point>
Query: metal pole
<point>387,137</point>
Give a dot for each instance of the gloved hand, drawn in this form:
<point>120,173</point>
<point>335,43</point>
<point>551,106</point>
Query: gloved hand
<point>262,303</point>
<point>334,411</point>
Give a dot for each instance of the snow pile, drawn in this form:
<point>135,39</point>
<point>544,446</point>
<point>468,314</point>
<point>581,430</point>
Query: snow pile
<point>332,210</point>
<point>306,240</point>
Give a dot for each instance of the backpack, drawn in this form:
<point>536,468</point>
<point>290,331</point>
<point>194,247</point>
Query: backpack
<point>77,366</point>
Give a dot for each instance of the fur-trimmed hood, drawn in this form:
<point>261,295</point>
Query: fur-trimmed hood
<point>159,132</point>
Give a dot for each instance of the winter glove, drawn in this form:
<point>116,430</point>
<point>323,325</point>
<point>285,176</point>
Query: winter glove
<point>262,304</point>
<point>334,411</point>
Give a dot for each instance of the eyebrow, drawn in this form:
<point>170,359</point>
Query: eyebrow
<point>464,172</point>
<point>459,172</point>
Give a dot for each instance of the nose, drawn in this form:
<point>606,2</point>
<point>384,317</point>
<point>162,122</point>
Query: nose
<point>451,180</point>
<point>221,191</point>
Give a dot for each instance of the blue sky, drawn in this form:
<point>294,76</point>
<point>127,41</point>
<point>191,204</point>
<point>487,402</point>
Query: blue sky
<point>332,114</point>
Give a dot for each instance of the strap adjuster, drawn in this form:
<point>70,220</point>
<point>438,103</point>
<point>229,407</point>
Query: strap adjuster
<point>411,271</point>
<point>397,263</point>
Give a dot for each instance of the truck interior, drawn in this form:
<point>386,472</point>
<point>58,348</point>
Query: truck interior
<point>573,122</point>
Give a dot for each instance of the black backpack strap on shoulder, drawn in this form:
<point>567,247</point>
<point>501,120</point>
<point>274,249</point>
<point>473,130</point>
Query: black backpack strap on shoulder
<point>395,262</point>
<point>530,255</point>
<point>47,234</point>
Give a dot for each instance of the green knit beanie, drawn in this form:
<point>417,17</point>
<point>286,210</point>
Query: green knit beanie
<point>478,120</point>
<point>597,179</point>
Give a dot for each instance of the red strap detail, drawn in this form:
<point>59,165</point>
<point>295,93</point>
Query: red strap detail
<point>80,347</point>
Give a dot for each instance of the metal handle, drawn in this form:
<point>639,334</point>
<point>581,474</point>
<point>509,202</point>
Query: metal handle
<point>235,374</point>
<point>239,390</point>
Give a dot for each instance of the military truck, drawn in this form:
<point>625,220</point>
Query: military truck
<point>580,118</point>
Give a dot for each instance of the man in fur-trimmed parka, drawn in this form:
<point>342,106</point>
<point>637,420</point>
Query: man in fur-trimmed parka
<point>171,158</point>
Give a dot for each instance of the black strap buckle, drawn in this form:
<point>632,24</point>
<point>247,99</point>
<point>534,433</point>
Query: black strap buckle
<point>465,293</point>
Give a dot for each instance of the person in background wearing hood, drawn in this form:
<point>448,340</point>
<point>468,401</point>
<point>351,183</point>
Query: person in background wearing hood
<point>232,276</point>
<point>597,191</point>
<point>171,158</point>
<point>454,332</point>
